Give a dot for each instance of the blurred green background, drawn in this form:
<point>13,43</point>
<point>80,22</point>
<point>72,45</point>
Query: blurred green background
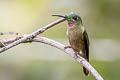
<point>37,61</point>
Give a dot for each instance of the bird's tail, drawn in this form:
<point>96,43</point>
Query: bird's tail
<point>86,72</point>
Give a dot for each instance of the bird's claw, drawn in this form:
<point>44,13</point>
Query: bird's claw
<point>67,47</point>
<point>75,56</point>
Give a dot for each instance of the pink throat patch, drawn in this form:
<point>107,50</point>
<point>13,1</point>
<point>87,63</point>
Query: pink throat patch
<point>70,24</point>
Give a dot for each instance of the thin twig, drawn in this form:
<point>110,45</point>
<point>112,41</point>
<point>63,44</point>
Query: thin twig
<point>32,35</point>
<point>3,33</point>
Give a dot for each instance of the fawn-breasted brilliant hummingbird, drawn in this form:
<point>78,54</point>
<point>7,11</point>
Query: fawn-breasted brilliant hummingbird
<point>78,37</point>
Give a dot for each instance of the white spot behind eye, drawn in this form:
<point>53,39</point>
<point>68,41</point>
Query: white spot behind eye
<point>73,19</point>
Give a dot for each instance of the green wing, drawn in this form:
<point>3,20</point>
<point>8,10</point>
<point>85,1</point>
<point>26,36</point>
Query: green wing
<point>86,42</point>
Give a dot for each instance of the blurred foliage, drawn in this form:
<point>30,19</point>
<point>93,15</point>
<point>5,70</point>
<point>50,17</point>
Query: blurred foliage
<point>59,70</point>
<point>108,18</point>
<point>101,18</point>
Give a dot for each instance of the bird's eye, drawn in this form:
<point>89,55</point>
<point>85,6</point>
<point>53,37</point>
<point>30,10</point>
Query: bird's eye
<point>75,18</point>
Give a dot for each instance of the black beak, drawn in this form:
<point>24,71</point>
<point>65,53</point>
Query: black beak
<point>63,16</point>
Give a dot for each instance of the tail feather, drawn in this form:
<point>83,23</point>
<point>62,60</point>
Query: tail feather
<point>86,72</point>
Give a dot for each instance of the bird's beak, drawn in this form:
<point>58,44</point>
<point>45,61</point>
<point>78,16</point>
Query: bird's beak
<point>63,16</point>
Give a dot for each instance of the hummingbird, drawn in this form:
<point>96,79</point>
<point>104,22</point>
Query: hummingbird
<point>77,36</point>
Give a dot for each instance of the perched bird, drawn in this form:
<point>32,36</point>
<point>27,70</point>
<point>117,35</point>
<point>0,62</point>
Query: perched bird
<point>78,37</point>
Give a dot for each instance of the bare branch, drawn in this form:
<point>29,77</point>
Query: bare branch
<point>32,35</point>
<point>70,52</point>
<point>8,41</point>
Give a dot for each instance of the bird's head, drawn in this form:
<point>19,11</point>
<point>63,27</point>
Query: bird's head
<point>73,19</point>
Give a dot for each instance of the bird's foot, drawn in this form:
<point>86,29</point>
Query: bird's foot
<point>75,56</point>
<point>67,47</point>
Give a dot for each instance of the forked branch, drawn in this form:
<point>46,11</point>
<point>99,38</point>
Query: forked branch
<point>30,36</point>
